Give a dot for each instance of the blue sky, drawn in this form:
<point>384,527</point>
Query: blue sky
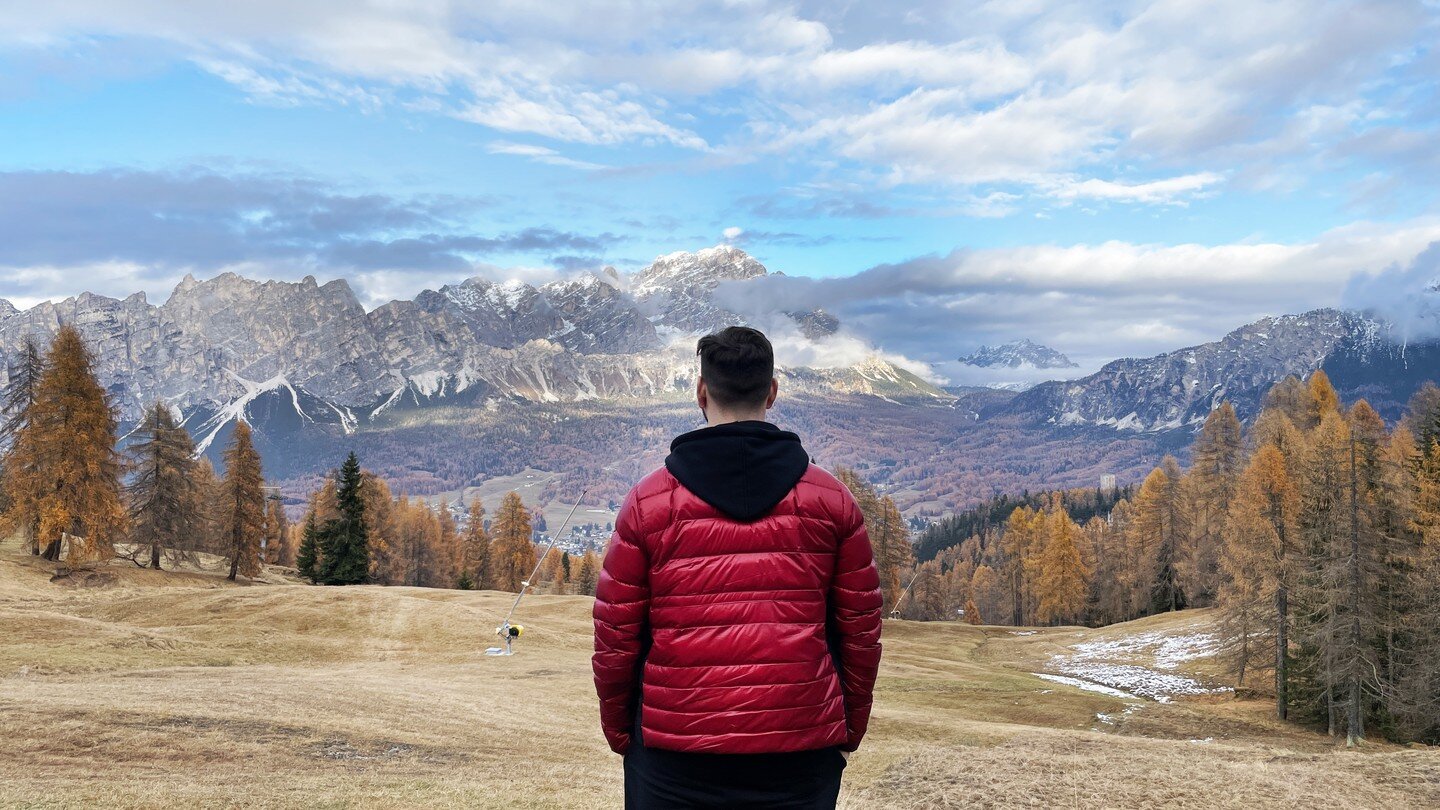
<point>1111,177</point>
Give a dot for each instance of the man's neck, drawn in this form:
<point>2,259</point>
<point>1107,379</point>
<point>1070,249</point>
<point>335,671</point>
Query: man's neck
<point>714,419</point>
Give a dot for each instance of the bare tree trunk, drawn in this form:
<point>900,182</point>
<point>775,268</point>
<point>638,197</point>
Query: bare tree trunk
<point>1354,721</point>
<point>1017,613</point>
<point>1244,657</point>
<point>1332,725</point>
<point>1282,642</point>
<point>234,551</point>
<point>155,556</point>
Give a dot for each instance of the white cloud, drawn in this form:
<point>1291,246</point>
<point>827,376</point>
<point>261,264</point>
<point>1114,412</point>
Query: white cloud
<point>1408,294</point>
<point>840,350</point>
<point>1093,302</point>
<point>288,87</point>
<point>378,287</point>
<point>540,154</point>
<point>1008,94</point>
<point>579,117</point>
<point>1171,190</point>
<point>984,69</point>
<point>33,284</point>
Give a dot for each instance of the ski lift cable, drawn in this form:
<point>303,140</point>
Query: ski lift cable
<point>895,609</point>
<point>525,585</point>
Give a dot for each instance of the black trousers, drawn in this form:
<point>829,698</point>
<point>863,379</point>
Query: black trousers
<point>671,780</point>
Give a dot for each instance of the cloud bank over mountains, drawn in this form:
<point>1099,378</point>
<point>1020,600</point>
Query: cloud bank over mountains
<point>1099,302</point>
<point>1407,294</point>
<point>116,231</point>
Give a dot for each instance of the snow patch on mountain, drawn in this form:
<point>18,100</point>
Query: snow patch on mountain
<point>430,383</point>
<point>235,410</point>
<point>508,294</point>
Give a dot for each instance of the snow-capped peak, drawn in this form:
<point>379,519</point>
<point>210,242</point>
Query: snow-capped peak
<point>1021,353</point>
<point>701,269</point>
<point>509,294</point>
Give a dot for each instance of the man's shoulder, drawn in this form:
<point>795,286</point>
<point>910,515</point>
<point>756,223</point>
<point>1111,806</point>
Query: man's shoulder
<point>657,483</point>
<point>818,476</point>
<point>818,491</point>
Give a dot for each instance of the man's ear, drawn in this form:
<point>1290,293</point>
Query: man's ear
<point>774,392</point>
<point>702,394</point>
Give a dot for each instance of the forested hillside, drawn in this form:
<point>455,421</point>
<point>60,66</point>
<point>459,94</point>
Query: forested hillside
<point>1316,531</point>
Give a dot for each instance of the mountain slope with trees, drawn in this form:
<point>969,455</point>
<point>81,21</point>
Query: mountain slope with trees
<point>1316,531</point>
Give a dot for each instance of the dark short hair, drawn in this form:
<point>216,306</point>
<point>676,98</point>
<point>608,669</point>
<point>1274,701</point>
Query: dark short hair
<point>737,364</point>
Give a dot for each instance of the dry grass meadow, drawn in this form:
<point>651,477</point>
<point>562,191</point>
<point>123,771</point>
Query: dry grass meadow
<point>130,688</point>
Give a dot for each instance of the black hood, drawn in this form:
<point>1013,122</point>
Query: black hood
<point>741,468</point>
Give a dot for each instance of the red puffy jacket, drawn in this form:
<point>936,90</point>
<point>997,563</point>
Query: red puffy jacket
<point>727,636</point>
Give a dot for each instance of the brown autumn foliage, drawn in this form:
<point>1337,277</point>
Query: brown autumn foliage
<point>62,470</point>
<point>1316,531</point>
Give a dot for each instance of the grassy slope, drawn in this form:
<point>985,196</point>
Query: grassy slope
<point>182,690</point>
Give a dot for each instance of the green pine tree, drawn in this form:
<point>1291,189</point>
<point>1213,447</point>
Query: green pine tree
<point>345,552</point>
<point>307,557</point>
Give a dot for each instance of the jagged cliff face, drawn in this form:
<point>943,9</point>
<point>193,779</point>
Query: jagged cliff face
<point>141,353</point>
<point>313,335</point>
<point>597,318</point>
<point>227,344</point>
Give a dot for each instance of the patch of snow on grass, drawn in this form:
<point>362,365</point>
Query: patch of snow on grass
<point>1104,662</point>
<point>1168,651</point>
<point>1088,686</point>
<point>1176,650</point>
<point>1114,718</point>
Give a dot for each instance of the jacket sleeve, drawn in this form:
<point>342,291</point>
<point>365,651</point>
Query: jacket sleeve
<point>855,614</point>
<point>622,610</point>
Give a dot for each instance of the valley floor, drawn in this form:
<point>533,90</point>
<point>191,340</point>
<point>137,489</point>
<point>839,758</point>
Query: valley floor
<point>134,688</point>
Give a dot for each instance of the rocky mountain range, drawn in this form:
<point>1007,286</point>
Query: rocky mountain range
<point>589,376</point>
<point>231,347</point>
<point>1178,389</point>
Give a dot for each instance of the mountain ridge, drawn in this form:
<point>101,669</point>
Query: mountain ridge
<point>1178,389</point>
<point>581,377</point>
<point>213,342</point>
